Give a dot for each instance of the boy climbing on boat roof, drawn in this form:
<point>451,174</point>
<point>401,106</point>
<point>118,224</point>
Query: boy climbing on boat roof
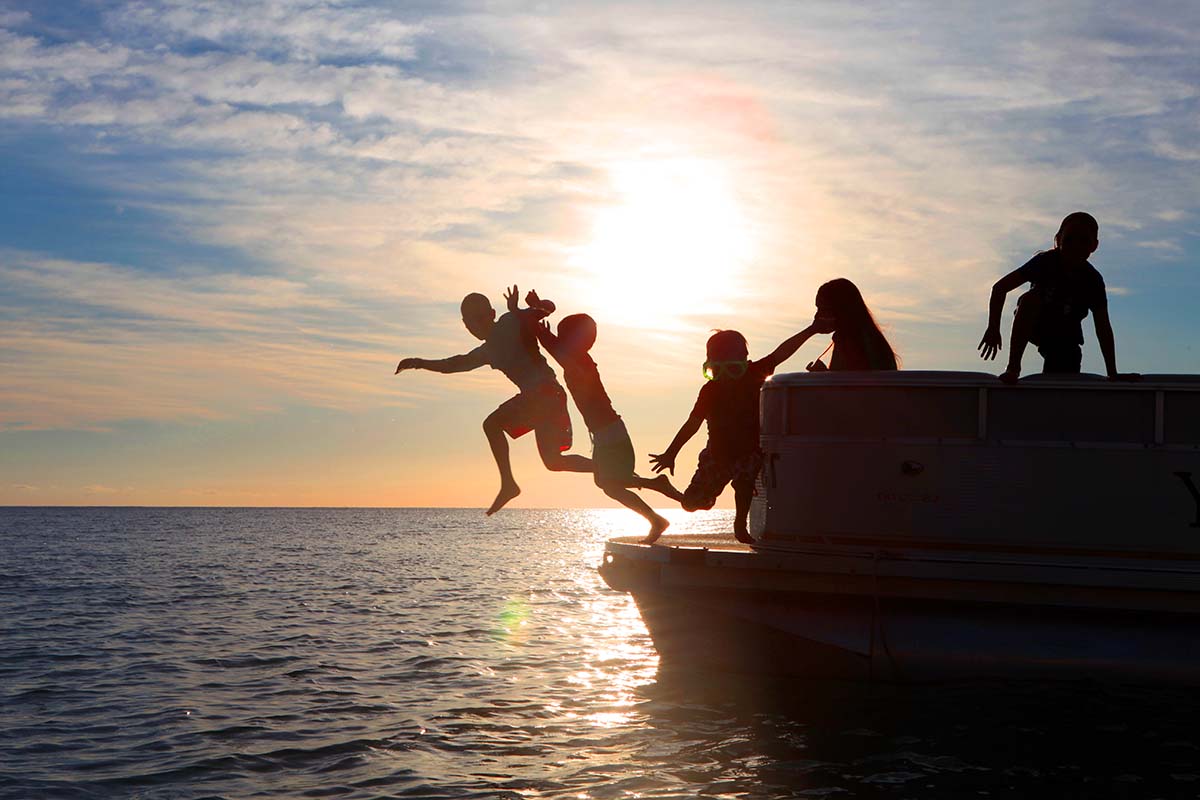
<point>613,459</point>
<point>729,403</point>
<point>510,346</point>
<point>1065,287</point>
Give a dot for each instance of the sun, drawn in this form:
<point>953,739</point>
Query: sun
<point>675,243</point>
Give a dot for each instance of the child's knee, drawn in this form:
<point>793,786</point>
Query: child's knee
<point>695,502</point>
<point>613,490</point>
<point>552,459</point>
<point>604,482</point>
<point>1029,304</point>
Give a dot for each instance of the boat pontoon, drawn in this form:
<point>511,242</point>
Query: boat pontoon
<point>930,525</point>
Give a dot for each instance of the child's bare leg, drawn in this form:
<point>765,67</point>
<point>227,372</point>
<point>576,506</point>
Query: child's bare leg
<point>565,462</point>
<point>494,429</point>
<point>742,496</point>
<point>558,461</point>
<point>660,484</point>
<point>1028,308</point>
<point>658,523</point>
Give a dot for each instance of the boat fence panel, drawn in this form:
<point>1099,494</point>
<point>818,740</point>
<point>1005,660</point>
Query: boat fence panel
<point>884,412</point>
<point>1083,466</point>
<point>1182,418</point>
<point>1071,415</point>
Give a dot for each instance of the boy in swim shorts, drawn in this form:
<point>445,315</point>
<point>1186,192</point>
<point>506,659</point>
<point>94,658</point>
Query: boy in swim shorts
<point>613,461</point>
<point>729,404</point>
<point>510,346</point>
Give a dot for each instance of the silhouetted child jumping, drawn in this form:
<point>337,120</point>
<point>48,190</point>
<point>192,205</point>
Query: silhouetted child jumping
<point>510,346</point>
<point>613,460</point>
<point>1065,287</point>
<point>729,403</point>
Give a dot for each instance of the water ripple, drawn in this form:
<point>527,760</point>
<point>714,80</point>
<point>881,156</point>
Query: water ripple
<point>204,653</point>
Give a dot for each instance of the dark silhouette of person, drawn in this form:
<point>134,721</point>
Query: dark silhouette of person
<point>1065,287</point>
<point>510,346</point>
<point>858,344</point>
<point>613,460</point>
<point>729,404</point>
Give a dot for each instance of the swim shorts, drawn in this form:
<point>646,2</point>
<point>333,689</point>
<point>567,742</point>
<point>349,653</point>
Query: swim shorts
<point>713,474</point>
<point>1061,358</point>
<point>542,409</point>
<point>613,460</point>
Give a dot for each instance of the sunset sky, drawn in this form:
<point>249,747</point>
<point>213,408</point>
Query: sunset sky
<point>224,223</point>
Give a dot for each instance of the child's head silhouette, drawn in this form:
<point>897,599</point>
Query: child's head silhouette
<point>841,308</point>
<point>727,356</point>
<point>841,302</point>
<point>727,346</point>
<point>577,332</point>
<point>478,314</point>
<point>1078,236</point>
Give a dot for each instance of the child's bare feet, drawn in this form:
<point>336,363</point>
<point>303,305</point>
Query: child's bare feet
<point>507,492</point>
<point>657,526</point>
<point>662,485</point>
<point>741,534</point>
<point>1010,376</point>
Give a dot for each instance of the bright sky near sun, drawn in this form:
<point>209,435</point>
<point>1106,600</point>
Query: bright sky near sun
<point>224,223</point>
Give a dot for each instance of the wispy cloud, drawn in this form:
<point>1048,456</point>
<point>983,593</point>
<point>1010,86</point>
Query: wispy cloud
<point>111,343</point>
<point>373,162</point>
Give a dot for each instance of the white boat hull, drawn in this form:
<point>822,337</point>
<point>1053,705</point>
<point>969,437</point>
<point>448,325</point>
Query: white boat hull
<point>925,526</point>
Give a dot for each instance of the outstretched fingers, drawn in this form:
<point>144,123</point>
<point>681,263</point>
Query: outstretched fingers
<point>662,462</point>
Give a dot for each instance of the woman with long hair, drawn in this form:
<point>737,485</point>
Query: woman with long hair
<point>858,344</point>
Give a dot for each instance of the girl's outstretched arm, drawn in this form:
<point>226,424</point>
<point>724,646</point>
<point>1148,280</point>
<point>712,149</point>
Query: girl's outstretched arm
<point>666,459</point>
<point>790,345</point>
<point>992,341</point>
<point>1108,346</point>
<point>548,340</point>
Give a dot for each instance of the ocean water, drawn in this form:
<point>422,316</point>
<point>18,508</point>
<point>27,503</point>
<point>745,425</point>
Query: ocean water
<point>202,653</point>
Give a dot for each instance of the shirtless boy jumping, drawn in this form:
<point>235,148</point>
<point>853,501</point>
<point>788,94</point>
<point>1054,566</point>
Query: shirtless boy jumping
<point>510,345</point>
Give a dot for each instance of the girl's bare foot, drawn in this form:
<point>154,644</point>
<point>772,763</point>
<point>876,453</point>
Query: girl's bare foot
<point>1010,376</point>
<point>741,534</point>
<point>657,526</point>
<point>507,492</point>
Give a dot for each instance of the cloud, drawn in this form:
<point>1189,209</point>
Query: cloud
<point>373,162</point>
<point>112,343</point>
<point>305,29</point>
<point>101,489</point>
<point>1165,247</point>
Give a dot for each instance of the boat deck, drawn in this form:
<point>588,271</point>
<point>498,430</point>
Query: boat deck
<point>691,541</point>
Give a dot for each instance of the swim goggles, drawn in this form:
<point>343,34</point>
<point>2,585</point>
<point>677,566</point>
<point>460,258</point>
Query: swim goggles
<point>716,370</point>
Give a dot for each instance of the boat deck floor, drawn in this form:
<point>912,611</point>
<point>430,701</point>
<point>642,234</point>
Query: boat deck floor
<point>693,541</point>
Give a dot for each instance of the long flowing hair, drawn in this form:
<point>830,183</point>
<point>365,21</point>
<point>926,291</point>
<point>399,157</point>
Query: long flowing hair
<point>845,300</point>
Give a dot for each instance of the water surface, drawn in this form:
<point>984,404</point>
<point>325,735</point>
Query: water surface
<point>188,653</point>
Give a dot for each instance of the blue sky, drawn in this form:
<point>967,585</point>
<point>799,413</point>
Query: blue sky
<point>224,223</point>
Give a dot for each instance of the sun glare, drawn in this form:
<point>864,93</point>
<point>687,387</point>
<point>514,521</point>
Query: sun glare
<point>674,243</point>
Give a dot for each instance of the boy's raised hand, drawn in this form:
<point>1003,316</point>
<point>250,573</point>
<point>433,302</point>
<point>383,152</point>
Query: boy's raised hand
<point>663,461</point>
<point>512,297</point>
<point>533,301</point>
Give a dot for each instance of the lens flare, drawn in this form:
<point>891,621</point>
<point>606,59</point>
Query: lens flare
<point>512,623</point>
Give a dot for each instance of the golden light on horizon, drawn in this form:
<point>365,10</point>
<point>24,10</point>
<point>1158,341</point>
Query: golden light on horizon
<point>675,242</point>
